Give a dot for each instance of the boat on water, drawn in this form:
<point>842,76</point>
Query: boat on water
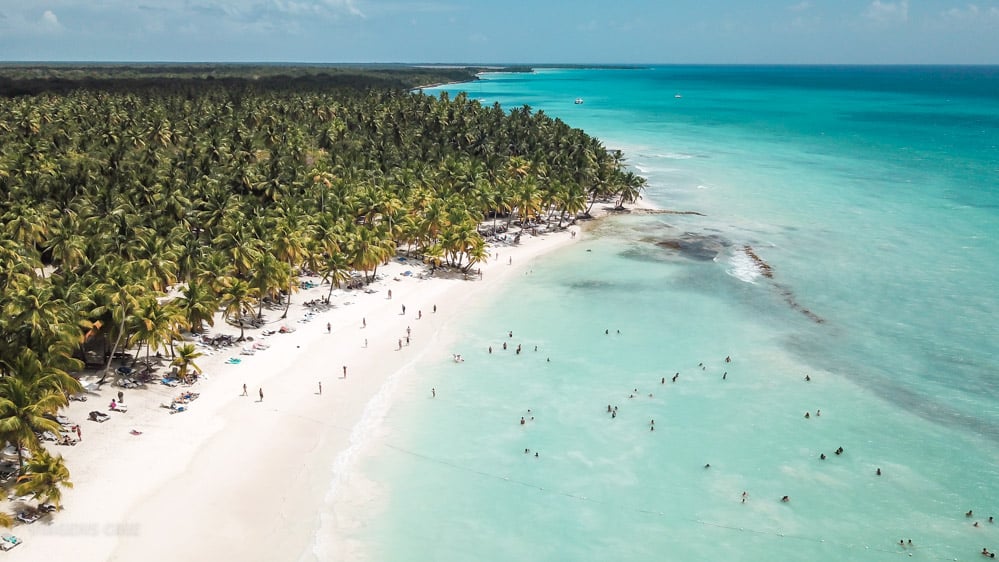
<point>677,96</point>
<point>579,101</point>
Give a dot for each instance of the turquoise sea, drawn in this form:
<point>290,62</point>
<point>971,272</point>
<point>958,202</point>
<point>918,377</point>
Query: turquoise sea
<point>873,195</point>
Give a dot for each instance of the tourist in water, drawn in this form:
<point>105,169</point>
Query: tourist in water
<point>522,420</point>
<point>785,499</point>
<point>878,472</point>
<point>822,457</point>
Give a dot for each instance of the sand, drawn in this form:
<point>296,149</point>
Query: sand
<point>238,478</point>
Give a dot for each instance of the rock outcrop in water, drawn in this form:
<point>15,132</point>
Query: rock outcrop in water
<point>762,266</point>
<point>700,247</point>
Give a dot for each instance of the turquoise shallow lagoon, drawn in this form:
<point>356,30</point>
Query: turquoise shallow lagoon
<point>872,193</point>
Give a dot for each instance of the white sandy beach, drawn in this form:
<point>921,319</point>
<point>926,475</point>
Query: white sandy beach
<point>242,479</point>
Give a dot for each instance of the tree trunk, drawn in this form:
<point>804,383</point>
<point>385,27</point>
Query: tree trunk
<point>287,305</point>
<point>121,332</point>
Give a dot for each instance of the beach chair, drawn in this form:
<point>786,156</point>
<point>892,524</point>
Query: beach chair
<point>99,417</point>
<point>246,351</point>
<point>28,517</point>
<point>8,542</point>
<point>119,407</point>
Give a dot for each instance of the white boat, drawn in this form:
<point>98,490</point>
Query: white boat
<point>677,96</point>
<point>579,101</point>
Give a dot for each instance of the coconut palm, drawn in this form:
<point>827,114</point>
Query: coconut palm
<point>23,409</point>
<point>198,303</point>
<point>43,478</point>
<point>238,299</point>
<point>184,361</point>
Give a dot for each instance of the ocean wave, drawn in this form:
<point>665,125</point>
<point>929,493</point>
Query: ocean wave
<point>743,267</point>
<point>674,156</point>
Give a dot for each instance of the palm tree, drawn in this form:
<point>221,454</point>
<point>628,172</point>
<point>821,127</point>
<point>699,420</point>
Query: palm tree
<point>367,250</point>
<point>238,298</point>
<point>268,277</point>
<point>22,414</point>
<point>119,293</point>
<point>43,477</point>
<point>198,304</point>
<point>186,354</point>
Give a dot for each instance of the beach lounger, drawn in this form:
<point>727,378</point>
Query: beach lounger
<point>78,397</point>
<point>8,542</point>
<point>120,408</point>
<point>169,382</point>
<point>28,517</point>
<point>99,417</point>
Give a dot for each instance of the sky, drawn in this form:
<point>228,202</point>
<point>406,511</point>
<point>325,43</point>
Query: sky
<point>504,31</point>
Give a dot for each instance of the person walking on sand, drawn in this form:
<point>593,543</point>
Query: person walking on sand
<point>403,310</point>
<point>320,388</point>
<point>244,390</point>
<point>261,394</point>
<point>344,371</point>
<point>433,393</point>
<point>419,314</point>
<point>329,328</point>
<point>435,309</point>
<point>364,322</point>
<point>390,294</point>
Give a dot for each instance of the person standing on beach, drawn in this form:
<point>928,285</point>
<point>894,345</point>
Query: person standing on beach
<point>435,309</point>
<point>344,371</point>
<point>433,393</point>
<point>329,328</point>
<point>244,389</point>
<point>364,323</point>
<point>403,310</point>
<point>261,394</point>
<point>390,294</point>
<point>320,388</point>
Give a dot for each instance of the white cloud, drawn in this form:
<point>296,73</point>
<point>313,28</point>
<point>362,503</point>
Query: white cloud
<point>49,21</point>
<point>970,13</point>
<point>888,12</point>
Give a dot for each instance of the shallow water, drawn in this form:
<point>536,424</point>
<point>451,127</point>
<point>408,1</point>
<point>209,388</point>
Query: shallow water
<point>872,195</point>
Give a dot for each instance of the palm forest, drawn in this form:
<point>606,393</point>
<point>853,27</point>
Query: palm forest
<point>137,203</point>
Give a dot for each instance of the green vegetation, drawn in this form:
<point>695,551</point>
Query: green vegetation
<point>226,190</point>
